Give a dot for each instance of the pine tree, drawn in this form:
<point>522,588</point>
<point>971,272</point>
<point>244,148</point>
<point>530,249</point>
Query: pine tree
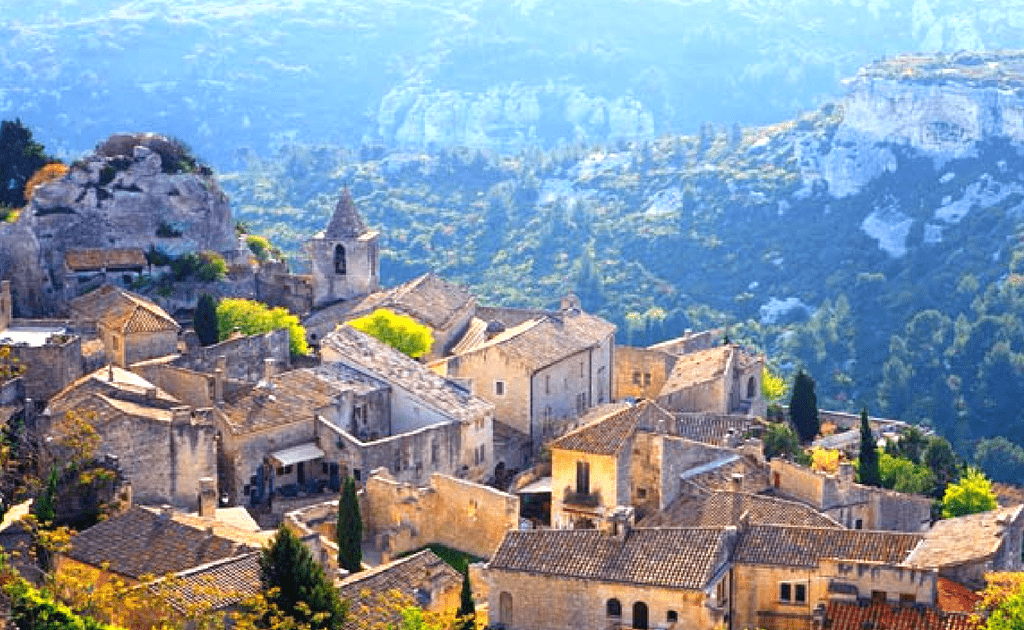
<point>296,585</point>
<point>205,320</point>
<point>467,609</point>
<point>869,472</point>
<point>350,528</point>
<point>803,407</point>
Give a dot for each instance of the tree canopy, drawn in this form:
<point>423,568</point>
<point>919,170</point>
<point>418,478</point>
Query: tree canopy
<point>971,495</point>
<point>803,407</point>
<point>296,585</point>
<point>773,386</point>
<point>781,441</point>
<point>350,528</point>
<point>20,158</point>
<point>401,332</point>
<point>205,320</point>
<point>255,318</point>
<point>868,471</point>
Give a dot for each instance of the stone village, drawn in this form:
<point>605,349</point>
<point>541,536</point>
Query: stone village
<point>600,485</point>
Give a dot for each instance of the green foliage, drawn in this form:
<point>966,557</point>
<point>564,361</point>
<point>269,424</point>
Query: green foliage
<point>350,528</point>
<point>203,267</point>
<point>296,584</point>
<point>10,367</point>
<point>401,332</point>
<point>910,445</point>
<point>803,407</point>
<point>259,246</point>
<point>867,471</point>
<point>43,506</point>
<point>902,475</point>
<point>255,318</point>
<point>781,441</point>
<point>1003,601</point>
<point>20,158</point>
<point>157,257</point>
<point>773,386</point>
<point>1001,459</point>
<point>30,608</point>
<point>942,461</point>
<point>467,609</point>
<point>971,495</point>
<point>205,320</point>
<point>166,230</point>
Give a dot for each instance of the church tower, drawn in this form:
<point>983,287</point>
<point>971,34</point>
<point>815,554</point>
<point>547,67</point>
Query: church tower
<point>344,257</point>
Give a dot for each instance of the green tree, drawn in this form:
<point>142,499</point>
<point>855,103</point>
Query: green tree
<point>971,495</point>
<point>942,461</point>
<point>255,318</point>
<point>910,445</point>
<point>867,469</point>
<point>44,508</point>
<point>401,332</point>
<point>781,441</point>
<point>205,320</point>
<point>350,528</point>
<point>467,609</point>
<point>20,158</point>
<point>803,407</point>
<point>902,475</point>
<point>296,585</point>
<point>1003,600</point>
<point>1001,459</point>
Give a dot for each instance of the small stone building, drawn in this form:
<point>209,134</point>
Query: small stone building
<point>344,257</point>
<point>723,380</point>
<point>132,328</point>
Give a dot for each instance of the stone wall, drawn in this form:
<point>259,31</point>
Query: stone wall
<point>50,367</point>
<point>316,527</point>
<point>604,474</point>
<point>565,390</point>
<point>640,373</point>
<point>709,397</point>
<point>869,577</point>
<point>463,515</point>
<point>149,345</point>
<point>488,367</point>
<point>756,590</point>
<point>275,286</point>
<point>12,391</point>
<point>246,356</point>
<point>681,456</point>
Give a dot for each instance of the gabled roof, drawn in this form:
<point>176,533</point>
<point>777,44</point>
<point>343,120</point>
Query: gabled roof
<point>122,311</point>
<point>214,586</point>
<point>683,558</point>
<point>381,361</point>
<point>412,577</point>
<point>720,509</point>
<point>971,538</point>
<point>537,343</point>
<point>699,367</point>
<point>610,427</point>
<point>345,223</point>
<point>797,546</point>
<point>141,542</point>
<point>125,394</point>
<point>857,616</point>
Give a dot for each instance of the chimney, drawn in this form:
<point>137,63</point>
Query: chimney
<point>166,512</point>
<point>181,415</point>
<point>620,522</point>
<point>569,303</point>
<point>218,386</point>
<point>269,369</point>
<point>6,305</point>
<point>208,497</point>
<point>110,372</point>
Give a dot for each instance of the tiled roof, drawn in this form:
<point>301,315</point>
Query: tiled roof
<point>720,509</point>
<point>122,310</point>
<point>712,428</point>
<point>96,259</point>
<point>696,368</point>
<point>685,558</point>
<point>141,542</point>
<point>883,616</point>
<point>611,429</point>
<point>795,546</point>
<point>412,577</point>
<point>970,538</point>
<point>954,597</point>
<point>345,222</point>
<point>128,393</point>
<point>213,586</point>
<point>289,397</point>
<point>538,343</point>
<point>383,362</point>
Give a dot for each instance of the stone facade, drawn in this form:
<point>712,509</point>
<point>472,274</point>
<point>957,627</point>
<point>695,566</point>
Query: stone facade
<point>245,356</point>
<point>640,373</point>
<point>50,366</point>
<point>400,517</point>
<point>277,286</point>
<point>344,257</point>
<point>722,380</point>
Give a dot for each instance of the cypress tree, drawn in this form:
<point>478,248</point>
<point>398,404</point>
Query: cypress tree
<point>467,609</point>
<point>205,320</point>
<point>803,407</point>
<point>288,567</point>
<point>350,528</point>
<point>869,472</point>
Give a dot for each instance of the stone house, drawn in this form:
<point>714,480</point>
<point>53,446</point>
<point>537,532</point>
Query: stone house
<point>540,373</point>
<point>723,380</point>
<point>852,504</point>
<point>163,447</point>
<point>132,328</point>
<point>91,267</point>
<point>619,577</point>
<point>640,373</point>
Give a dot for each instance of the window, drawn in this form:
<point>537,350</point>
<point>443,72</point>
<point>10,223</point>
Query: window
<point>434,450</point>
<point>878,597</point>
<point>786,592</point>
<point>751,387</point>
<point>582,477</point>
<point>339,260</point>
<point>792,593</point>
<point>582,372</point>
<point>641,493</point>
<point>357,474</point>
<point>324,467</point>
<point>499,388</point>
<point>547,384</point>
<point>581,403</point>
<point>613,608</point>
<point>636,378</point>
<point>800,592</point>
<point>647,379</point>
<point>671,616</point>
<point>859,524</point>
<point>907,599</point>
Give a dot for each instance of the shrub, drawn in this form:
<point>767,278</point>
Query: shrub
<point>166,230</point>
<point>204,267</point>
<point>401,332</point>
<point>259,246</point>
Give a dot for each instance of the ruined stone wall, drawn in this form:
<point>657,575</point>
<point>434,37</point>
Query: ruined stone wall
<point>191,388</point>
<point>640,373</point>
<point>276,287</point>
<point>245,355</point>
<point>460,514</point>
<point>898,512</point>
<point>871,577</point>
<point>51,367</point>
<point>797,482</point>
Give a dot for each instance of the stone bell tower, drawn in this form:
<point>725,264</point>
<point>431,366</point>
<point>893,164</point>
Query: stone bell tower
<point>344,257</point>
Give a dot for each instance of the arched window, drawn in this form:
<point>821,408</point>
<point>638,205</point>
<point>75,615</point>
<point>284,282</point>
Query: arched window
<point>613,608</point>
<point>339,260</point>
<point>640,616</point>
<point>751,387</point>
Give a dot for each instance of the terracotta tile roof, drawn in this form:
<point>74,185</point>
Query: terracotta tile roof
<point>697,367</point>
<point>414,577</point>
<point>795,546</point>
<point>345,222</point>
<point>720,509</point>
<point>141,542</point>
<point>538,343</point>
<point>882,616</point>
<point>288,398</point>
<point>96,259</point>
<point>214,586</point>
<point>122,311</point>
<point>366,354</point>
<point>128,394</point>
<point>714,429</point>
<point>610,427</point>
<point>954,597</point>
<point>970,538</point>
<point>684,558</point>
<point>718,475</point>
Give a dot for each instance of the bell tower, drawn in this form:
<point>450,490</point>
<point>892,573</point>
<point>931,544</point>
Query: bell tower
<point>344,256</point>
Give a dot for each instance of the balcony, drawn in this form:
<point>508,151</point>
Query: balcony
<point>581,499</point>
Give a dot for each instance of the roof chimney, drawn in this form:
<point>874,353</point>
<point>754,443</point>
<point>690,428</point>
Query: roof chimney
<point>218,386</point>
<point>269,368</point>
